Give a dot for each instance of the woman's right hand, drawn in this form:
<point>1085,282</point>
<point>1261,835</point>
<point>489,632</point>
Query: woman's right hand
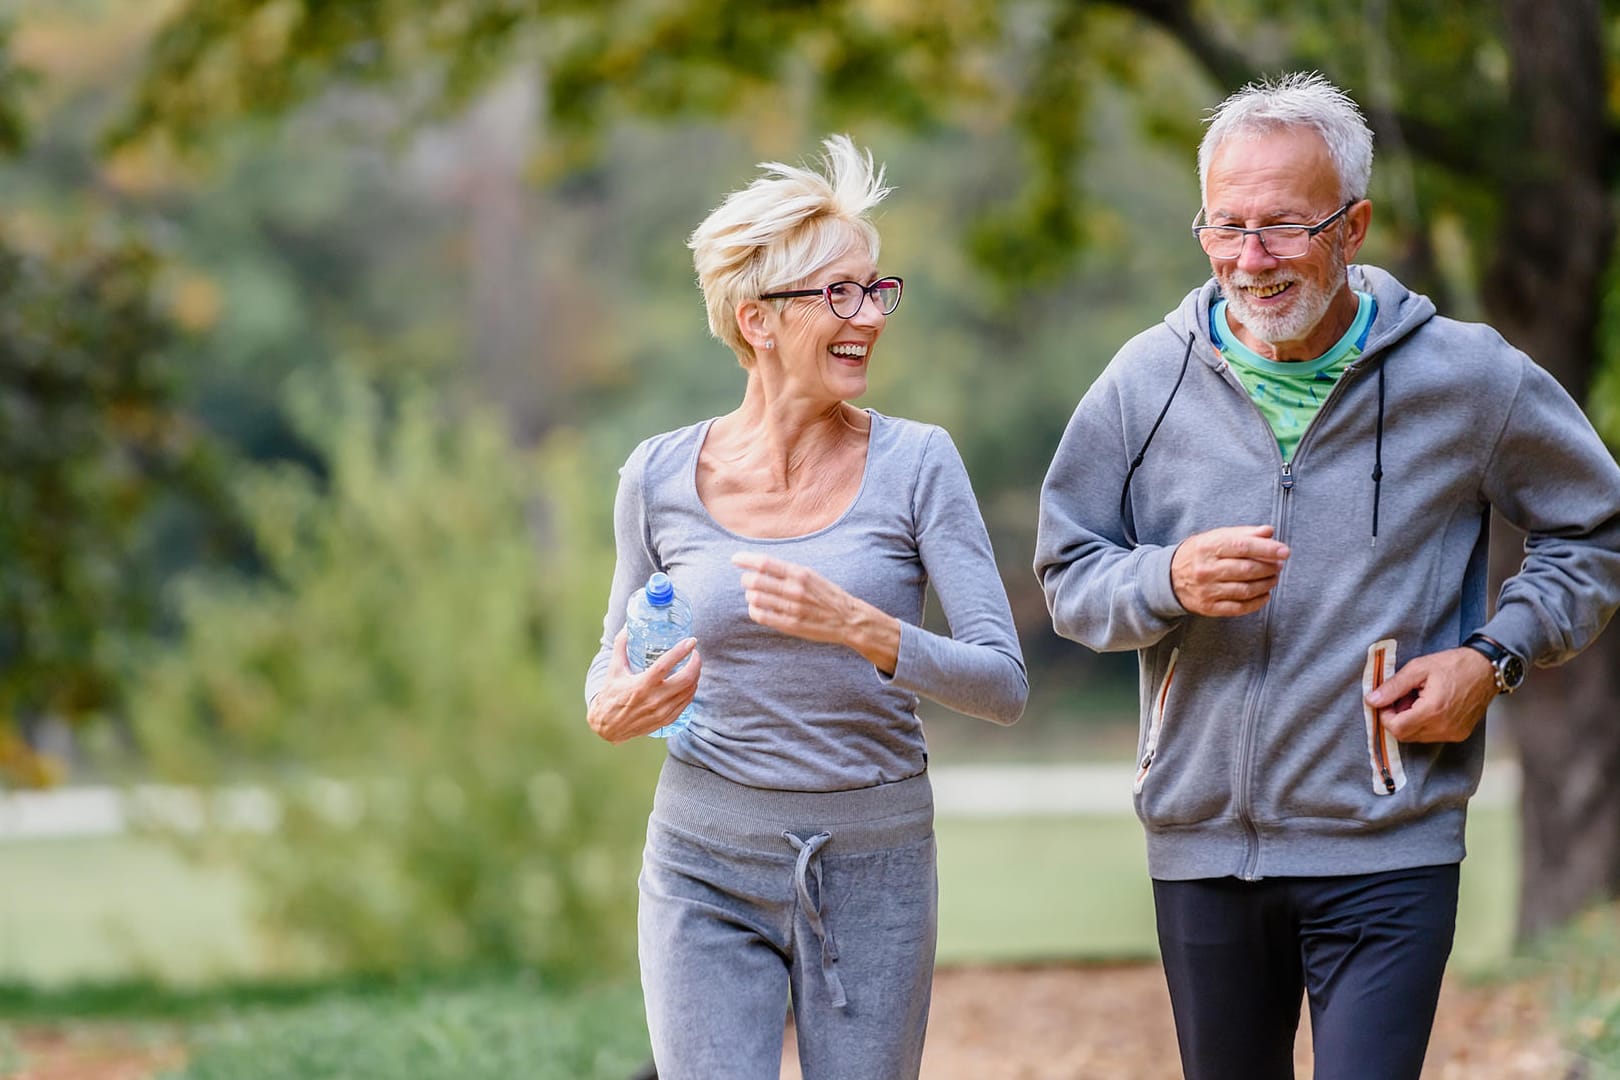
<point>633,703</point>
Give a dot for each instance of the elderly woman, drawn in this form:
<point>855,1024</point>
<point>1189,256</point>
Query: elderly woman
<point>790,850</point>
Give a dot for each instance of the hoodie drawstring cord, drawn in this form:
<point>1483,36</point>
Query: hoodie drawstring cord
<point>1136,462</point>
<point>1378,454</point>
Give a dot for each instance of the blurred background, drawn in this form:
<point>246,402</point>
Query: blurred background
<point>326,325</point>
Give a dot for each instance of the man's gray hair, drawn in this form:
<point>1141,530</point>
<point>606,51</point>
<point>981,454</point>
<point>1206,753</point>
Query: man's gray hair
<point>1299,99</point>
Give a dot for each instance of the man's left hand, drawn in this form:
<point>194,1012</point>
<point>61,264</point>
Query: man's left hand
<point>1440,697</point>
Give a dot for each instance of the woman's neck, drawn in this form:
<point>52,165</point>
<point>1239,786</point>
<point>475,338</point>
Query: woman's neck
<point>783,435</point>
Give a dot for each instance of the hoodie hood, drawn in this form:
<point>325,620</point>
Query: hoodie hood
<point>1400,312</point>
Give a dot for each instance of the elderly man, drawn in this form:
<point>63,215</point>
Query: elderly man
<point>1279,496</point>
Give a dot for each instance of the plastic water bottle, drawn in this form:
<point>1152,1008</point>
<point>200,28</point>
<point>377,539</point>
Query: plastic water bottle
<point>658,619</point>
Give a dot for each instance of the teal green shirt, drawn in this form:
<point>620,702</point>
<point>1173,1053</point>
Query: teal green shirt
<point>1288,393</point>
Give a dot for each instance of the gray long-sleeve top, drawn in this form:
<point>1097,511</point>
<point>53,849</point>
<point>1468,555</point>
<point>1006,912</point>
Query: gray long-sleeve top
<point>777,711</point>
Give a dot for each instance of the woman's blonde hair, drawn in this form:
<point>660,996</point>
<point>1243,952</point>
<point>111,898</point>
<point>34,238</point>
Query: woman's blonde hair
<point>782,228</point>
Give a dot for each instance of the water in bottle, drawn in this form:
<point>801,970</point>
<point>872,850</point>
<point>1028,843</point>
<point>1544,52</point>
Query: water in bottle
<point>658,619</point>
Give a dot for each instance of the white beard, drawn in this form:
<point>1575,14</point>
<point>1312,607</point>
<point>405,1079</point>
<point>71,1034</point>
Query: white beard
<point>1310,302</point>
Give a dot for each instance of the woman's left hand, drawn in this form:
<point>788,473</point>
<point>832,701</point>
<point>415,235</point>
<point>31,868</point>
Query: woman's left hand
<point>797,601</point>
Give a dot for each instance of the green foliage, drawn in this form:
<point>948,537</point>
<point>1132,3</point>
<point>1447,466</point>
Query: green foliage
<point>1436,80</point>
<point>1603,403</point>
<point>405,678</point>
<point>218,60</point>
<point>1582,965</point>
<point>492,1032</point>
<point>93,445</point>
<point>15,80</point>
<point>959,63</point>
<point>130,365</point>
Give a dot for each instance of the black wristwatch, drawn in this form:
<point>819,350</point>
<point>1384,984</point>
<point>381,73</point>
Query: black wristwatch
<point>1506,665</point>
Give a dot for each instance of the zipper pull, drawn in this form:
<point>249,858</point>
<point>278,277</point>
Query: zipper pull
<point>1142,771</point>
<point>1288,476</point>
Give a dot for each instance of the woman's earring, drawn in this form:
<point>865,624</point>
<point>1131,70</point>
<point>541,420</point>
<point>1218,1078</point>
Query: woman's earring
<point>770,344</point>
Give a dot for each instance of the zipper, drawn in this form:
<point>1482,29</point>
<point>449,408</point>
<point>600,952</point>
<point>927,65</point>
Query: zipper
<point>1155,724</point>
<point>1347,376</point>
<point>1251,709</point>
<point>1380,751</point>
<point>1351,372</point>
<point>1383,752</point>
<point>1246,732</point>
<point>1286,481</point>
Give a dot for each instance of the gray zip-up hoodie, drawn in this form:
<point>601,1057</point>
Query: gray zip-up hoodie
<point>1257,756</point>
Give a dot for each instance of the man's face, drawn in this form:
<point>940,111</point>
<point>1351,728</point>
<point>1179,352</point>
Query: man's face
<point>1283,177</point>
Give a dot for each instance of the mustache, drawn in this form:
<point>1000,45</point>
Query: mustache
<point>1271,277</point>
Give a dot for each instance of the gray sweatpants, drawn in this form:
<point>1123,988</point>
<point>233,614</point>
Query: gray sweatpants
<point>749,896</point>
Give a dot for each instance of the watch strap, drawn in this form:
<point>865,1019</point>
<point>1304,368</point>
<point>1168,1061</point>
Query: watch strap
<point>1500,657</point>
<point>1489,648</point>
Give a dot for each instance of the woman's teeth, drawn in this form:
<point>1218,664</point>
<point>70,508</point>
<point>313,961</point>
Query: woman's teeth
<point>854,352</point>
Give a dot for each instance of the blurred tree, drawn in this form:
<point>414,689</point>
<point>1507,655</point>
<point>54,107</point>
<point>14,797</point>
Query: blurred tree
<point>94,450</point>
<point>90,443</point>
<point>1499,166</point>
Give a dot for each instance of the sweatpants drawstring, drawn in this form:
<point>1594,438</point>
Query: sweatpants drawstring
<point>808,849</point>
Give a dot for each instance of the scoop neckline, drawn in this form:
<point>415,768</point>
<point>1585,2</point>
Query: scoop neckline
<point>860,492</point>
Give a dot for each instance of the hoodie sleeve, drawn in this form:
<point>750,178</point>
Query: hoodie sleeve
<point>979,669</point>
<point>1101,591</point>
<point>1551,476</point>
<point>633,564</point>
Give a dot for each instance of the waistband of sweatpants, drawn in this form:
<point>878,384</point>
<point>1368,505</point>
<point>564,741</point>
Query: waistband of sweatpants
<point>699,801</point>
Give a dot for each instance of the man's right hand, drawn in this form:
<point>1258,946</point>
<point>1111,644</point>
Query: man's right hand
<point>1227,571</point>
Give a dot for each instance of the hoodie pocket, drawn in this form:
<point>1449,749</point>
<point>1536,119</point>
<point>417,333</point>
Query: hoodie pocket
<point>1155,724</point>
<point>1383,750</point>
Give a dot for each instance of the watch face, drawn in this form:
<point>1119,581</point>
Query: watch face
<point>1512,671</point>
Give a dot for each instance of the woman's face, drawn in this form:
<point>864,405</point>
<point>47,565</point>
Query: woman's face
<point>819,355</point>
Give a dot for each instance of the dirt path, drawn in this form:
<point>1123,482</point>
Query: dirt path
<point>50,1053</point>
<point>1113,1023</point>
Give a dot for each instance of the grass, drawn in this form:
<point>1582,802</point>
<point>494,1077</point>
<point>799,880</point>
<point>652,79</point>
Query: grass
<point>478,1028</point>
<point>1040,889</point>
<point>1011,891</point>
<point>493,1031</point>
<point>1580,963</point>
<point>1049,888</point>
<point>120,907</point>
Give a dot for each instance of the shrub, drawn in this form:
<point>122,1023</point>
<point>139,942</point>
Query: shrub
<point>405,676</point>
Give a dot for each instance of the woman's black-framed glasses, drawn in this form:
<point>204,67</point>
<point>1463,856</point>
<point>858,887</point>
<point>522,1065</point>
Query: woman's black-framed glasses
<point>846,297</point>
<point>1278,241</point>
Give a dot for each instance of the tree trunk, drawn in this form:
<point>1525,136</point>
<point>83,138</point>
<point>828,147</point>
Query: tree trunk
<point>1543,291</point>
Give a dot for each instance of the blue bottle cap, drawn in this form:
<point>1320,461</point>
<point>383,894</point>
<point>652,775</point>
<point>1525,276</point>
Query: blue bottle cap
<point>660,590</point>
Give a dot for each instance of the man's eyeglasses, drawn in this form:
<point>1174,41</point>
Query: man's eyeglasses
<point>1279,241</point>
<point>846,297</point>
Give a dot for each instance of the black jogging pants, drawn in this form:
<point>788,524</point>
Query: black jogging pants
<point>1368,950</point>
